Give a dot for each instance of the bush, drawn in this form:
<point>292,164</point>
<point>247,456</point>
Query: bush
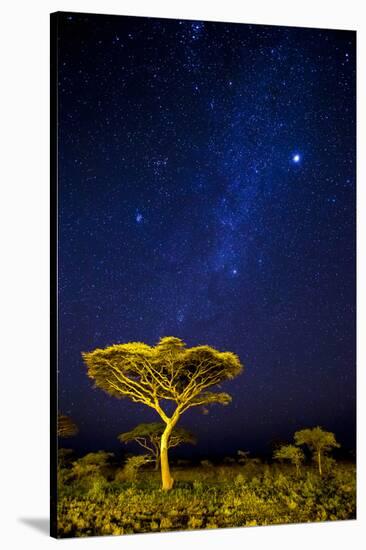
<point>133,465</point>
<point>98,485</point>
<point>274,495</point>
<point>239,480</point>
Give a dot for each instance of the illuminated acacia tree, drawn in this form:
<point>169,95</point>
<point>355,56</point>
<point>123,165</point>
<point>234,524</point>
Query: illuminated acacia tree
<point>169,377</point>
<point>66,427</point>
<point>318,440</point>
<point>148,436</point>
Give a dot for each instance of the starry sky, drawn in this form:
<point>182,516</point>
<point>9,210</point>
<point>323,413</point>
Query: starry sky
<point>207,190</point>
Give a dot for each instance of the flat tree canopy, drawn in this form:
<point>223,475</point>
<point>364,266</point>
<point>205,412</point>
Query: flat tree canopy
<point>316,439</point>
<point>148,436</point>
<point>169,371</point>
<point>152,432</point>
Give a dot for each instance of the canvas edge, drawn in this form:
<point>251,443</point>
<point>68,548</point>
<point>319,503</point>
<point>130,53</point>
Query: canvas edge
<point>53,270</point>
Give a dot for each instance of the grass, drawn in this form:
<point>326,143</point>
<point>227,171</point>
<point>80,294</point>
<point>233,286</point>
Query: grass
<point>202,498</point>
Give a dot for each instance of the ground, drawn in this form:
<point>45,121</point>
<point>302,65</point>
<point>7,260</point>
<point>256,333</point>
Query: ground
<point>203,497</point>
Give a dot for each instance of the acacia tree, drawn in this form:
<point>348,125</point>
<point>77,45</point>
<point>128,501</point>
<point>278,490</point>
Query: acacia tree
<point>66,427</point>
<point>169,377</point>
<point>319,442</point>
<point>149,435</point>
<point>291,453</point>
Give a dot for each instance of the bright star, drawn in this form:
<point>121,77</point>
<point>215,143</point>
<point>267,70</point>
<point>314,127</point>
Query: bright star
<point>139,217</point>
<point>296,158</point>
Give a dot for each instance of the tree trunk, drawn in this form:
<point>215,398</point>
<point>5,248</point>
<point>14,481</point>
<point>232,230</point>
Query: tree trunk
<point>320,463</point>
<point>166,478</point>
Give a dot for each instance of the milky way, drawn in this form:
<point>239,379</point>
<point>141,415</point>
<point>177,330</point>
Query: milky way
<point>207,191</point>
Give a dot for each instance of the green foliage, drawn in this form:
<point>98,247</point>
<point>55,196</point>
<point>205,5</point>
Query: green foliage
<point>133,465</point>
<point>96,487</point>
<point>91,464</point>
<point>169,370</point>
<point>316,439</point>
<point>319,441</point>
<point>328,464</point>
<point>291,453</point>
<point>100,458</point>
<point>272,496</point>
<point>149,435</point>
<point>155,430</point>
<point>240,479</point>
<point>64,457</point>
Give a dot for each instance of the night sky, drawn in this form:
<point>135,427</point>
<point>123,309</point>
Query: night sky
<point>207,191</point>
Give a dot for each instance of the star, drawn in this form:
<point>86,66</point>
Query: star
<point>213,210</point>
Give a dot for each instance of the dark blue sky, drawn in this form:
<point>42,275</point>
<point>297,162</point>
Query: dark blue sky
<point>207,191</point>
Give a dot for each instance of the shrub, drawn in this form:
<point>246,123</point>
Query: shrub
<point>98,485</point>
<point>133,465</point>
<point>239,480</point>
<point>94,506</point>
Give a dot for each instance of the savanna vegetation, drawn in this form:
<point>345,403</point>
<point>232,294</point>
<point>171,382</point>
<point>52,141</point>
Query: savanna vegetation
<point>99,495</point>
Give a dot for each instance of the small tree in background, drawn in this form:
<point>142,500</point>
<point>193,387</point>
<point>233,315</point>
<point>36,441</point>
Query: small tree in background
<point>319,442</point>
<point>169,378</point>
<point>243,456</point>
<point>291,453</point>
<point>66,427</point>
<point>91,464</point>
<point>148,436</point>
